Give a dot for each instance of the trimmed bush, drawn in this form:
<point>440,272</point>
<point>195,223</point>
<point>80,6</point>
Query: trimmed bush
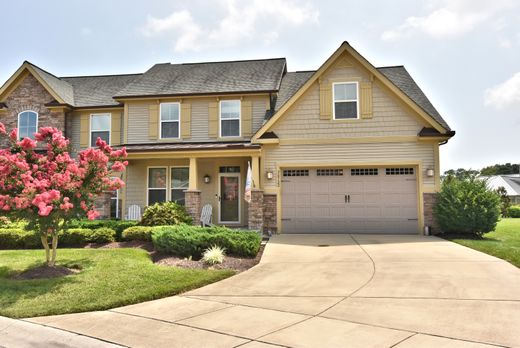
<point>141,233</point>
<point>165,214</point>
<point>467,206</point>
<point>117,225</point>
<point>102,235</point>
<point>74,237</point>
<point>514,211</point>
<point>15,238</point>
<point>185,240</point>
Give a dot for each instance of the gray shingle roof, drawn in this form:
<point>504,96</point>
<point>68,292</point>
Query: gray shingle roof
<point>208,78</point>
<point>98,90</point>
<point>61,87</point>
<point>402,79</point>
<point>291,83</point>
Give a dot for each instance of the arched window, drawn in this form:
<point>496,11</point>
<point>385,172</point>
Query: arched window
<point>27,124</point>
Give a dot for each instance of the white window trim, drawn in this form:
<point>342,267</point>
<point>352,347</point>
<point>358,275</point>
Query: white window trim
<point>161,121</point>
<point>116,198</point>
<point>346,100</point>
<point>97,130</point>
<point>169,187</point>
<point>18,123</point>
<point>229,119</point>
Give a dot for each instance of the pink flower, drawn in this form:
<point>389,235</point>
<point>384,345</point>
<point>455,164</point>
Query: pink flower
<point>14,134</point>
<point>2,129</point>
<point>27,144</point>
<point>66,205</point>
<point>119,166</point>
<point>92,214</point>
<point>44,210</point>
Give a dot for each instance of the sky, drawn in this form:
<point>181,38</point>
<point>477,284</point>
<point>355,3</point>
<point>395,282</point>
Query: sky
<point>464,54</point>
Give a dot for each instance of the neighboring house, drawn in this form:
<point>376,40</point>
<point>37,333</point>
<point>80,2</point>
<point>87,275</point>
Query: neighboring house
<point>346,148</point>
<point>511,182</point>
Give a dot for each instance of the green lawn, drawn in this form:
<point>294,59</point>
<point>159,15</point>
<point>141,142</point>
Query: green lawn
<point>504,242</point>
<point>109,278</point>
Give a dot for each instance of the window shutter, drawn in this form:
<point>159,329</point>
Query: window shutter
<point>115,131</point>
<point>213,119</point>
<point>365,99</point>
<point>246,115</point>
<point>153,122</point>
<point>185,120</point>
<point>84,130</point>
<point>325,101</point>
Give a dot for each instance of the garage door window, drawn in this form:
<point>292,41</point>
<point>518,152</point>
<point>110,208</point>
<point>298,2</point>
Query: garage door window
<point>329,172</point>
<point>399,171</point>
<point>296,172</point>
<point>364,171</point>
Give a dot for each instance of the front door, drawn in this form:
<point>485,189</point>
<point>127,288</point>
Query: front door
<point>229,198</point>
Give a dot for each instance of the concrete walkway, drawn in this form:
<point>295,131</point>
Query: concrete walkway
<point>331,291</point>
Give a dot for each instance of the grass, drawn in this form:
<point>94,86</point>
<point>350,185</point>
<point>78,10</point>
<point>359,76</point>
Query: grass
<point>109,278</point>
<point>503,243</point>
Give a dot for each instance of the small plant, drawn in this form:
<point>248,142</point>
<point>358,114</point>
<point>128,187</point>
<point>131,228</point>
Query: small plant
<point>213,255</point>
<point>165,214</point>
<point>514,211</point>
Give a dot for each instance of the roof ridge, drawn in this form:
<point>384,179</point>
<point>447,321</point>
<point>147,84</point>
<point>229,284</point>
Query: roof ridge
<point>302,71</point>
<point>45,71</point>
<point>230,61</point>
<point>109,75</point>
<point>390,66</point>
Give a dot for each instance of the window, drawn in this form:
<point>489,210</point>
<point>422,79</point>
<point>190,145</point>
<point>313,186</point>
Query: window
<point>170,120</point>
<point>115,205</point>
<point>232,169</point>
<point>99,128</point>
<point>157,183</point>
<point>329,172</point>
<point>27,124</point>
<point>180,178</point>
<point>296,172</point>
<point>230,118</point>
<point>345,96</point>
<point>399,171</point>
<point>364,171</point>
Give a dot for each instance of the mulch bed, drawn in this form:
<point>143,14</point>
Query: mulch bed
<point>237,264</point>
<point>148,246</point>
<point>44,272</point>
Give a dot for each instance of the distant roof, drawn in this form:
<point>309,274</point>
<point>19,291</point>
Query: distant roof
<point>402,79</point>
<point>263,75</point>
<point>98,90</point>
<point>510,182</point>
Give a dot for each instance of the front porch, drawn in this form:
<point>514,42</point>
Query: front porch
<point>196,178</point>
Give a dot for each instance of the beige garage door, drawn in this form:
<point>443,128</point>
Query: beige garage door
<point>349,200</point>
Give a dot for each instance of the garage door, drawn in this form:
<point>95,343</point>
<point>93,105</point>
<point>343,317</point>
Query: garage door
<point>349,200</point>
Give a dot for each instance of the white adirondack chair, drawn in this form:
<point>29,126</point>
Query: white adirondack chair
<point>206,215</point>
<point>134,212</point>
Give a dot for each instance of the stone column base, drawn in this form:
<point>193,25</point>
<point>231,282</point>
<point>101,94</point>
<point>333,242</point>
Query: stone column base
<point>429,201</point>
<point>270,214</point>
<point>255,213</point>
<point>193,204</point>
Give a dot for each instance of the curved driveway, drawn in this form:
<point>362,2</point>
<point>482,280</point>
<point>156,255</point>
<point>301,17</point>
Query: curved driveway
<point>331,291</point>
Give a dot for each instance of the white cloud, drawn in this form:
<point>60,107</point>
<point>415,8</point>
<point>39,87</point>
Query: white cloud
<point>505,94</point>
<point>450,19</point>
<point>241,22</point>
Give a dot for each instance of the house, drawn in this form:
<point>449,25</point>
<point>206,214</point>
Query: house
<point>348,148</point>
<point>511,182</point>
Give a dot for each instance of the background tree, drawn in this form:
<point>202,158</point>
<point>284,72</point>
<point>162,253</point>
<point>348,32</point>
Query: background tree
<point>461,173</point>
<point>505,201</point>
<point>41,183</point>
<point>501,169</point>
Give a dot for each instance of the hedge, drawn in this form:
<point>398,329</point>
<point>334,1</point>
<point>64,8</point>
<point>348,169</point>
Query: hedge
<point>141,233</point>
<point>117,225</point>
<point>16,238</point>
<point>185,240</point>
<point>514,211</point>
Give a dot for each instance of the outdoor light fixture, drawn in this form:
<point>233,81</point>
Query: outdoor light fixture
<point>430,172</point>
<point>269,175</point>
<point>207,179</point>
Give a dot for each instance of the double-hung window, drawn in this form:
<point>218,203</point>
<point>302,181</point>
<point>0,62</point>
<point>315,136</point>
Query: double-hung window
<point>99,128</point>
<point>180,177</point>
<point>167,184</point>
<point>170,120</point>
<point>230,118</point>
<point>157,184</point>
<point>346,103</point>
<point>27,124</point>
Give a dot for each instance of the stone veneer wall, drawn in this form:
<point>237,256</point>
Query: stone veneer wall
<point>256,211</point>
<point>31,95</point>
<point>270,213</point>
<point>193,205</point>
<point>430,199</point>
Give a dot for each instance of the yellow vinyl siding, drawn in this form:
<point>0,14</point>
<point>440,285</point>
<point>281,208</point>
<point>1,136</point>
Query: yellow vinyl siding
<point>185,120</point>
<point>153,121</point>
<point>115,131</point>
<point>84,132</point>
<point>247,118</point>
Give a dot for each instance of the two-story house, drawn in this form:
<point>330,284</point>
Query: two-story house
<point>348,148</point>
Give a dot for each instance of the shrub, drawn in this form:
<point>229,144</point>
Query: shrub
<point>15,238</point>
<point>514,211</point>
<point>102,235</point>
<point>184,240</point>
<point>75,237</point>
<point>117,225</point>
<point>213,255</point>
<point>4,222</point>
<point>467,206</point>
<point>141,233</point>
<point>165,214</point>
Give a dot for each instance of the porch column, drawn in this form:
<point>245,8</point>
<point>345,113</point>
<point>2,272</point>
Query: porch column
<point>256,207</point>
<point>255,169</point>
<point>192,195</point>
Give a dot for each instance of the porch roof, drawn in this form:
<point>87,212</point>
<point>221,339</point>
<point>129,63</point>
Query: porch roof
<point>194,146</point>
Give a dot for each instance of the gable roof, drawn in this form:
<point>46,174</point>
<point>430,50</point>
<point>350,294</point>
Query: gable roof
<point>62,88</point>
<point>291,83</point>
<point>399,91</point>
<point>402,79</point>
<point>510,182</point>
<point>246,76</point>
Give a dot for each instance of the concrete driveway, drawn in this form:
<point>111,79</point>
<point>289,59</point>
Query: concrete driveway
<point>331,291</point>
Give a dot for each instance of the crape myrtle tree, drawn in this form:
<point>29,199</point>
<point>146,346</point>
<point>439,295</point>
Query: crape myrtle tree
<point>41,183</point>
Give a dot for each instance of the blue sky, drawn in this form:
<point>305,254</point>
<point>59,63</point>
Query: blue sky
<point>465,54</point>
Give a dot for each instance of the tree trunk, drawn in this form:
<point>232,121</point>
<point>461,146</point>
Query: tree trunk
<point>45,243</point>
<point>52,262</point>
